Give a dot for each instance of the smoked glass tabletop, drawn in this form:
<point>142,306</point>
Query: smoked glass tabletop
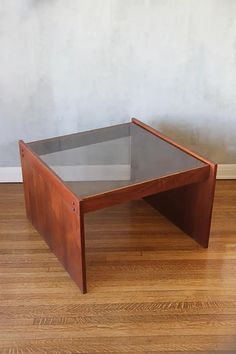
<point>104,159</point>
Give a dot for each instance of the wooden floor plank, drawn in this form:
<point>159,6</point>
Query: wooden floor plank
<point>152,289</point>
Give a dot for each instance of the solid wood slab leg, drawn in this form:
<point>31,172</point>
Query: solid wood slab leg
<point>56,214</point>
<point>189,207</point>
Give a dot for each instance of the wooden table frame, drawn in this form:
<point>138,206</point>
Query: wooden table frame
<point>58,214</point>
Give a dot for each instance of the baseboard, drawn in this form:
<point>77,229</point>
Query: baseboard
<point>10,174</point>
<point>226,171</point>
<point>13,174</point>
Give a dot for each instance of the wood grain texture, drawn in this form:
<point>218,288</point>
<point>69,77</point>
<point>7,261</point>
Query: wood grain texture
<point>152,289</point>
<point>139,190</point>
<point>56,213</point>
<point>189,207</point>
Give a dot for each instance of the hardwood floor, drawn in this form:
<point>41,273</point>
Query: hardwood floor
<point>152,289</point>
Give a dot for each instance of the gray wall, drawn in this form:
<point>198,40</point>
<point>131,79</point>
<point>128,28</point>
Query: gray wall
<point>73,65</point>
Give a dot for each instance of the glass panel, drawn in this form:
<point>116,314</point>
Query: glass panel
<point>104,159</point>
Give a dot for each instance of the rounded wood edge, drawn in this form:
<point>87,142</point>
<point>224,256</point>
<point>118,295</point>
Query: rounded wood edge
<point>172,142</point>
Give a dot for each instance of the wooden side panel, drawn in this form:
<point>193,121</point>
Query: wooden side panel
<point>189,207</point>
<point>55,214</point>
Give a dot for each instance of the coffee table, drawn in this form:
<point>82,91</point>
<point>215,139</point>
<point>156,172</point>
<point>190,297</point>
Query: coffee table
<point>67,176</point>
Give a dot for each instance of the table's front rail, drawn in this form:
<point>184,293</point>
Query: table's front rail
<point>143,189</point>
<point>55,212</point>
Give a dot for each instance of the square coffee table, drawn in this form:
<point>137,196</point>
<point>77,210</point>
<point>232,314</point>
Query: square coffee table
<point>68,176</point>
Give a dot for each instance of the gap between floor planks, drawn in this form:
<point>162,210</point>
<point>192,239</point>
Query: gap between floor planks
<point>151,287</point>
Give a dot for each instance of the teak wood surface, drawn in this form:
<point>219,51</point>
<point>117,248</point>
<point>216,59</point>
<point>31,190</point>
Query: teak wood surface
<point>56,214</point>
<point>152,289</point>
<point>189,207</point>
<point>185,197</point>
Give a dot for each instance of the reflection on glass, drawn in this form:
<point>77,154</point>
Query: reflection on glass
<point>104,159</point>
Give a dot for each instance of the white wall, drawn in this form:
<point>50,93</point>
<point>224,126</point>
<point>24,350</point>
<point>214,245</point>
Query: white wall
<point>73,65</point>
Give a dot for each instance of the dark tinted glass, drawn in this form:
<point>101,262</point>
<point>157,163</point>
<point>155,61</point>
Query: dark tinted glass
<point>108,158</point>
